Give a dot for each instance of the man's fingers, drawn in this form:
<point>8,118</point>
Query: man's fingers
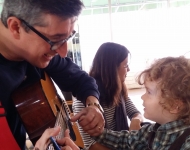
<point>97,130</point>
<point>91,120</point>
<point>77,116</point>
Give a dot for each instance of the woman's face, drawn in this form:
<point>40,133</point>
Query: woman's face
<point>123,69</point>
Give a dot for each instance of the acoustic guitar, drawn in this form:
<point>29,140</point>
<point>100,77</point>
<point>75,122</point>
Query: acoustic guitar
<point>40,107</point>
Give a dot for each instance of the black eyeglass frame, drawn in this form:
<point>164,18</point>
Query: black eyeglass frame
<point>54,45</point>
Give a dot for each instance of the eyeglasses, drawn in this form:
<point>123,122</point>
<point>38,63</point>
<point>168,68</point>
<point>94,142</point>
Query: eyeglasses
<point>54,45</point>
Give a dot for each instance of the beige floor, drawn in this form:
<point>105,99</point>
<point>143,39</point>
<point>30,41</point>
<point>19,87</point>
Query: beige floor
<point>137,91</point>
<point>29,145</point>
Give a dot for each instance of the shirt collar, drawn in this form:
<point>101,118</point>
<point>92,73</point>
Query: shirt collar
<point>170,127</point>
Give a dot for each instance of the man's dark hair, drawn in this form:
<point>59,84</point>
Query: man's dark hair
<point>32,11</point>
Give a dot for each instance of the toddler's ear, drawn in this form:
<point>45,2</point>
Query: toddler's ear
<point>176,107</point>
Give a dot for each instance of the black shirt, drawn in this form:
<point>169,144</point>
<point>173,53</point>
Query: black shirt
<point>67,75</point>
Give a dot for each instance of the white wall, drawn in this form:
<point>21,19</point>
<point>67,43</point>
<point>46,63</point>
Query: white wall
<point>147,34</point>
<point>94,30</point>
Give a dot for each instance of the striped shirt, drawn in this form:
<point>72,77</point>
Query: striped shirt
<point>165,135</point>
<point>108,113</point>
<point>131,110</point>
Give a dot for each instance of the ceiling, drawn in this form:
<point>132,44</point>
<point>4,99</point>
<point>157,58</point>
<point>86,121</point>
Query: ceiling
<point>100,3</point>
<point>104,3</point>
<point>102,6</point>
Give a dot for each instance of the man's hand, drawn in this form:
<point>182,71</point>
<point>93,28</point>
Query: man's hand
<point>90,119</point>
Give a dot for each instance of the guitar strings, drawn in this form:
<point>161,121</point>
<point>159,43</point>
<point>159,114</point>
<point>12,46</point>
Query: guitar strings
<point>59,122</point>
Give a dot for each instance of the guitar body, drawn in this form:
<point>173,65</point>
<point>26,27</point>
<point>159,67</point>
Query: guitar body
<point>38,105</point>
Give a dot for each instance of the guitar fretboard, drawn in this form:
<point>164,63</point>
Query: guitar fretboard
<point>60,121</point>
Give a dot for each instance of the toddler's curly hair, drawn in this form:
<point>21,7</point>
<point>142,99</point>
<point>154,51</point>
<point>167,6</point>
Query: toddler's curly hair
<point>173,77</point>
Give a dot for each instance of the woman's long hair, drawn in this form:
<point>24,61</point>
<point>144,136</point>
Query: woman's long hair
<point>105,69</point>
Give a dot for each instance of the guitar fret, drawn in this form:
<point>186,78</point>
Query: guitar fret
<point>59,122</point>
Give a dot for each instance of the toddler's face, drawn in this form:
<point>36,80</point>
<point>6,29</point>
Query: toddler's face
<point>153,110</point>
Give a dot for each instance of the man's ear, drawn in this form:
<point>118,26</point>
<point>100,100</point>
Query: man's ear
<point>176,107</point>
<point>14,25</point>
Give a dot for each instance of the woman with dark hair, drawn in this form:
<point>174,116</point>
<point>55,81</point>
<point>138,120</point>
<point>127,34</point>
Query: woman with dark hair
<point>109,68</point>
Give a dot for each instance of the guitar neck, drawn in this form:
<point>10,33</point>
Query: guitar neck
<point>61,122</point>
<point>64,111</point>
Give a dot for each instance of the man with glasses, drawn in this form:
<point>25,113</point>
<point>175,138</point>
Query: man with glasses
<point>33,40</point>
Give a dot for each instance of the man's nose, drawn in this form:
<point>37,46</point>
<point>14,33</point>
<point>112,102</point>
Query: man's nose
<point>62,51</point>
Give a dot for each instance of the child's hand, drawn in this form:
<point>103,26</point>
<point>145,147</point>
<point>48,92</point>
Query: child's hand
<point>66,143</point>
<point>44,140</point>
<point>135,124</point>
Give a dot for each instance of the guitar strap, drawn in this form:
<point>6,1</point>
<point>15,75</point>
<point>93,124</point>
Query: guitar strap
<point>6,138</point>
<point>180,140</point>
